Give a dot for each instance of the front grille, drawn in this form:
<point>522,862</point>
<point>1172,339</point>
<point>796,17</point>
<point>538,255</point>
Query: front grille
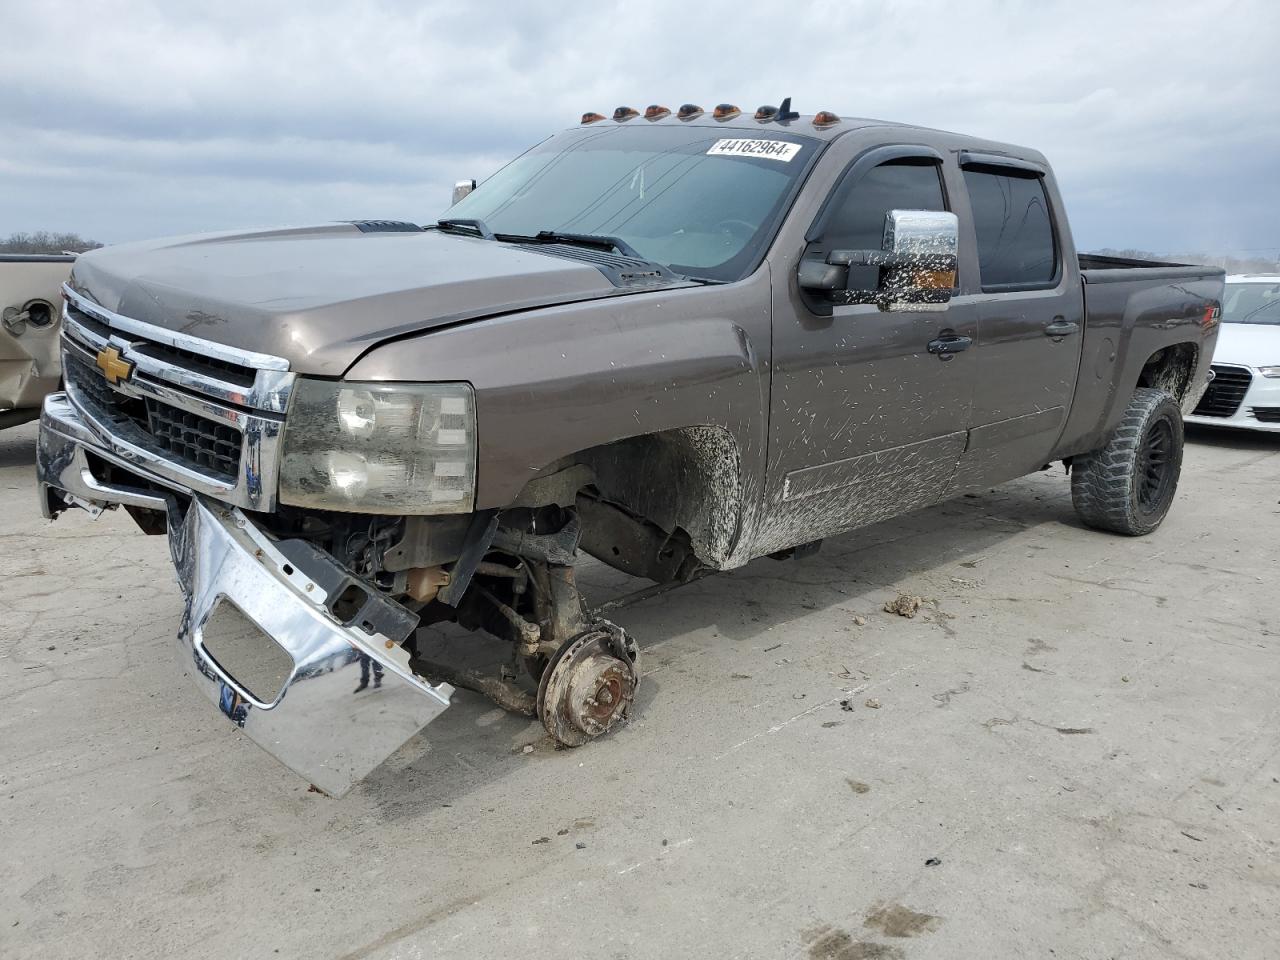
<point>199,414</point>
<point>190,360</point>
<point>1226,391</point>
<point>234,373</point>
<point>195,442</point>
<point>1267,414</point>
<point>192,439</point>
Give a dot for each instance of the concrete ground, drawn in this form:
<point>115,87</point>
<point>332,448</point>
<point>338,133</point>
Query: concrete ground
<point>1073,750</point>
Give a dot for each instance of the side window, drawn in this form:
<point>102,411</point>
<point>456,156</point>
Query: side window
<point>1016,246</point>
<point>858,220</point>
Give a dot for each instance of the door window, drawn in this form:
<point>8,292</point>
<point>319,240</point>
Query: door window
<point>858,220</point>
<point>1016,246</point>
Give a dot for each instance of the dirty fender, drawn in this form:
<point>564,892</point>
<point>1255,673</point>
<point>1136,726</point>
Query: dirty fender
<point>558,381</point>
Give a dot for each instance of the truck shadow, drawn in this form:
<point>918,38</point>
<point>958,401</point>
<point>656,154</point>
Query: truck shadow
<point>474,743</point>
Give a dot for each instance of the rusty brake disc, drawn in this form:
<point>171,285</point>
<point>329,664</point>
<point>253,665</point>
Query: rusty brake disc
<point>589,685</point>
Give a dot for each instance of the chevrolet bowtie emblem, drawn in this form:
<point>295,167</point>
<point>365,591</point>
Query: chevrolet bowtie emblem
<point>114,367</point>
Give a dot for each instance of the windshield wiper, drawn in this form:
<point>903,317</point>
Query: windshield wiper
<point>1265,305</point>
<point>599,241</point>
<point>467,223</point>
<point>596,241</point>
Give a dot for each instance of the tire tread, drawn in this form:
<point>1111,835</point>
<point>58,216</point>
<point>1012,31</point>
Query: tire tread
<point>1102,481</point>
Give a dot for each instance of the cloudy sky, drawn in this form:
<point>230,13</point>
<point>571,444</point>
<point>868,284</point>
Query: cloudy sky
<point>123,120</point>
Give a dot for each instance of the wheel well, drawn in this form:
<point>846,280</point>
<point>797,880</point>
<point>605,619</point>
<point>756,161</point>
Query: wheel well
<point>1172,369</point>
<point>684,480</point>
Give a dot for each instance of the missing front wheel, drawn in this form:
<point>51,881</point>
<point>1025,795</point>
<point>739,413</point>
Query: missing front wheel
<point>590,685</point>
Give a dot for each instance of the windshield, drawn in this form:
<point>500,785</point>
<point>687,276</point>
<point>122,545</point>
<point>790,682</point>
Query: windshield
<point>704,202</point>
<point>1252,303</point>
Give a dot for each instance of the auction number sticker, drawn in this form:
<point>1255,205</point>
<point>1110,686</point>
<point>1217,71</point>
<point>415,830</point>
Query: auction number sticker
<point>769,149</point>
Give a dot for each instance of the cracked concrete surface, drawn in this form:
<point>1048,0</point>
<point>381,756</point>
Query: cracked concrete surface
<point>1082,756</point>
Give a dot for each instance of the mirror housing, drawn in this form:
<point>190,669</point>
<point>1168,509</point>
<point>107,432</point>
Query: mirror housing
<point>923,244</point>
<point>461,188</point>
<point>917,264</point>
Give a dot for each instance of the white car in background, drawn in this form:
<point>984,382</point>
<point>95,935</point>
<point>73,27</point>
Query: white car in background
<point>1245,390</point>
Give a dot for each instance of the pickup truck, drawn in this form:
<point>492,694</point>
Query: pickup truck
<point>30,286</point>
<point>672,341</point>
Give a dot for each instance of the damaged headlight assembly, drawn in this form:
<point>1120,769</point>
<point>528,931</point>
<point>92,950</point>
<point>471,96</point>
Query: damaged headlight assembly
<point>394,448</point>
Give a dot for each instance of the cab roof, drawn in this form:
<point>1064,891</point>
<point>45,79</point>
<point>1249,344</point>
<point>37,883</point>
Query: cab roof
<point>806,125</point>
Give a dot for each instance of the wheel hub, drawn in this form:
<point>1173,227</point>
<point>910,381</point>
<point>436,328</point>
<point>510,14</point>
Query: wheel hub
<point>1154,464</point>
<point>589,685</point>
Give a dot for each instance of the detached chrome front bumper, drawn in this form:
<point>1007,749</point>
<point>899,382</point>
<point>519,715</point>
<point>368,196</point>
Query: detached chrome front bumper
<point>345,697</point>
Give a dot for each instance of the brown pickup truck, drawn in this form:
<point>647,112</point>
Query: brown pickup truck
<point>674,341</point>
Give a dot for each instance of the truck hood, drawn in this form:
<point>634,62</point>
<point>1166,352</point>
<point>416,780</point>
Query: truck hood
<point>1248,344</point>
<point>321,296</point>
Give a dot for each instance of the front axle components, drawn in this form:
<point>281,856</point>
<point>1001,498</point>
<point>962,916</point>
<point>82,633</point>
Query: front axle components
<point>589,685</point>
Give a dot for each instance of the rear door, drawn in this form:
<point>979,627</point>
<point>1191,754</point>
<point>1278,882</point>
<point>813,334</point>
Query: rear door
<point>1031,319</point>
<point>865,423</point>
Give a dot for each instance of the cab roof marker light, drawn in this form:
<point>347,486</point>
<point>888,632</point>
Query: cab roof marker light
<point>766,113</point>
<point>623,114</point>
<point>592,117</point>
<point>689,111</point>
<point>725,111</point>
<point>656,112</point>
<point>825,118</point>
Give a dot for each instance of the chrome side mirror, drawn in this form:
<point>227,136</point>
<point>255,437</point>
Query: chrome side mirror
<point>923,245</point>
<point>916,265</point>
<point>461,188</point>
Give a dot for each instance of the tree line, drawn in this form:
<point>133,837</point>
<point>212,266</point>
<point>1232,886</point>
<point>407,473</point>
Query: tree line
<point>46,241</point>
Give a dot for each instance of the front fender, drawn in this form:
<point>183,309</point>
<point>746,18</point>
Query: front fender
<point>555,381</point>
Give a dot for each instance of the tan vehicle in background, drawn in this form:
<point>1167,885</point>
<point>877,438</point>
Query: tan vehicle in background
<point>30,299</point>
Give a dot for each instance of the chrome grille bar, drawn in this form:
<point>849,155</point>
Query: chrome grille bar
<point>265,383</point>
<point>202,403</point>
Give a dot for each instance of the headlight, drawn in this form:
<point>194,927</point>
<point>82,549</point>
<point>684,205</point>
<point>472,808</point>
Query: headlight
<point>390,448</point>
<point>1269,371</point>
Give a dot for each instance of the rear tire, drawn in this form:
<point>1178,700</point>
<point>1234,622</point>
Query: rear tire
<point>1128,485</point>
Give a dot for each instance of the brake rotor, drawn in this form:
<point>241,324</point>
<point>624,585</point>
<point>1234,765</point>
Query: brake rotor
<point>589,685</point>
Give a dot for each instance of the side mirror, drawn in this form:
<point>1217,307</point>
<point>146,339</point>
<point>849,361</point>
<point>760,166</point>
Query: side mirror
<point>916,265</point>
<point>923,244</point>
<point>461,188</point>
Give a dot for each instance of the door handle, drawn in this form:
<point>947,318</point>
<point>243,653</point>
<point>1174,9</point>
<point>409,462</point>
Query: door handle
<point>948,345</point>
<point>1060,328</point>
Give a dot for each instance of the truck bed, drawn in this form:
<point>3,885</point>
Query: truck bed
<point>1133,310</point>
<point>1096,268</point>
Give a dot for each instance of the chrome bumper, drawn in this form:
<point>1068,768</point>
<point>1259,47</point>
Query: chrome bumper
<point>318,723</point>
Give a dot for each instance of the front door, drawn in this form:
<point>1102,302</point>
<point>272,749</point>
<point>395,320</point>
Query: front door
<point>865,422</point>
